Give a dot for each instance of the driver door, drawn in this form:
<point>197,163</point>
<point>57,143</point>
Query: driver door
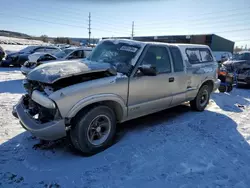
<point>148,94</point>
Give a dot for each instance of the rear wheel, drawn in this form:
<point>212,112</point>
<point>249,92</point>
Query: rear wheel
<point>223,88</point>
<point>202,99</point>
<point>93,130</point>
<point>229,88</point>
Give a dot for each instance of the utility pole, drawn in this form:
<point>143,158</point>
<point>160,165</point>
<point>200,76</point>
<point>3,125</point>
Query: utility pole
<point>89,27</point>
<point>132,35</point>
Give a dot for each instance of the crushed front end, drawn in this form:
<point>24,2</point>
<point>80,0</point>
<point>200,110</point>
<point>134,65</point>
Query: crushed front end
<point>244,76</point>
<point>38,113</point>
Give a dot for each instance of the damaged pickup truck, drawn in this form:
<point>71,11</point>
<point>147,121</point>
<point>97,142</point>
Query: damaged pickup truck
<point>119,81</point>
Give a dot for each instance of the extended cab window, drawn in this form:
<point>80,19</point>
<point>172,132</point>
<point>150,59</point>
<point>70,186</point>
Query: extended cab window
<point>199,55</point>
<point>158,56</point>
<point>177,59</point>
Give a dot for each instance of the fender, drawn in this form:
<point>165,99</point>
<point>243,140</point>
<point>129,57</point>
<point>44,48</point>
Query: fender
<point>205,80</point>
<point>97,98</point>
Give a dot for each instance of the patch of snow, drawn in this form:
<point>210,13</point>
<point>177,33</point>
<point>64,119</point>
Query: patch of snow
<point>18,41</point>
<point>12,48</point>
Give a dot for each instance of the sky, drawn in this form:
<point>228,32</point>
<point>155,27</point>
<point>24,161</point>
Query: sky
<point>112,18</point>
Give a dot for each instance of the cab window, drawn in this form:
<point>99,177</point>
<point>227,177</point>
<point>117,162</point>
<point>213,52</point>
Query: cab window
<point>158,57</point>
<point>199,55</point>
<point>177,59</point>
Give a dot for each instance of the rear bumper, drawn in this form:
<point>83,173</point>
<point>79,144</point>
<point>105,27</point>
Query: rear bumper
<point>46,131</point>
<point>216,84</point>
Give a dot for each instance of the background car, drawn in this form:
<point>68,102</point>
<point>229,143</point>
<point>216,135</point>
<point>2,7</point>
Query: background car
<point>240,65</point>
<point>37,59</point>
<point>2,54</point>
<point>18,58</point>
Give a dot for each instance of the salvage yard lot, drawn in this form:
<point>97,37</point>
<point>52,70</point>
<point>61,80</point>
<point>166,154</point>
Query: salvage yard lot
<point>173,148</point>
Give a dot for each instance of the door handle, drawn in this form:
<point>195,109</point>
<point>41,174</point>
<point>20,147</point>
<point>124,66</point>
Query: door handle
<point>171,79</point>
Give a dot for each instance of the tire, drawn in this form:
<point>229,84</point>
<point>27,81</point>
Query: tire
<point>2,64</point>
<point>202,99</point>
<point>229,88</point>
<point>85,132</point>
<point>222,88</point>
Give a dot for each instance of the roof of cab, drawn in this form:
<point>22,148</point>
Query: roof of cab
<point>79,48</point>
<point>159,43</point>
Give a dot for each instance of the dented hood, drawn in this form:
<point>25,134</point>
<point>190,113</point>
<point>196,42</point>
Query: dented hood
<point>52,72</point>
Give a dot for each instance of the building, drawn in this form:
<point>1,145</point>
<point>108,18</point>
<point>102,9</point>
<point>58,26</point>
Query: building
<point>215,42</point>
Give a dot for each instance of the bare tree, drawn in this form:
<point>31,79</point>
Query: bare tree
<point>44,38</point>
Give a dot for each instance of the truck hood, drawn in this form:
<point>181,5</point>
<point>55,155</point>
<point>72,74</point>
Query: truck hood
<point>52,72</point>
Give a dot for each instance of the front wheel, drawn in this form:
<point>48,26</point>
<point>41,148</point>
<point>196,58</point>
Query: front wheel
<point>93,130</point>
<point>229,88</point>
<point>202,99</point>
<point>223,88</point>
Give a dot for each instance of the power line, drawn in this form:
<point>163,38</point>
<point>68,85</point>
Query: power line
<point>243,40</point>
<point>221,25</point>
<point>198,15</point>
<point>78,13</point>
<point>247,29</point>
<point>193,22</point>
<point>62,24</point>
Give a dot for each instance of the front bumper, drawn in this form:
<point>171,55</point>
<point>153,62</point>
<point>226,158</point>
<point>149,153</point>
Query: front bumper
<point>243,79</point>
<point>46,131</point>
<point>25,70</point>
<point>216,84</point>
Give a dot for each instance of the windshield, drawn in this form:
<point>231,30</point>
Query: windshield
<point>114,53</point>
<point>63,53</point>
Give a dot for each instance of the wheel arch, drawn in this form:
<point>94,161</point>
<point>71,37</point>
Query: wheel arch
<point>209,83</point>
<point>114,102</point>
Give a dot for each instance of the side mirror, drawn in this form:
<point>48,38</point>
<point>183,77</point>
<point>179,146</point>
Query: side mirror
<point>148,70</point>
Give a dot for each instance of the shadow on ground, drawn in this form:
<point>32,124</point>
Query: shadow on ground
<point>11,86</point>
<point>9,69</point>
<point>175,147</point>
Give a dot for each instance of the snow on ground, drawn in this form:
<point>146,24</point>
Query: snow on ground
<point>13,40</point>
<point>173,148</point>
<point>8,48</point>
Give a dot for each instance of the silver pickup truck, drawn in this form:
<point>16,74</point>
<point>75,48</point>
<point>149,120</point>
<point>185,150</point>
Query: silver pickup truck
<point>119,81</point>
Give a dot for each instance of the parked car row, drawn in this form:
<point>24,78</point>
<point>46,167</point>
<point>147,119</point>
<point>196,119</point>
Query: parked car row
<point>39,58</point>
